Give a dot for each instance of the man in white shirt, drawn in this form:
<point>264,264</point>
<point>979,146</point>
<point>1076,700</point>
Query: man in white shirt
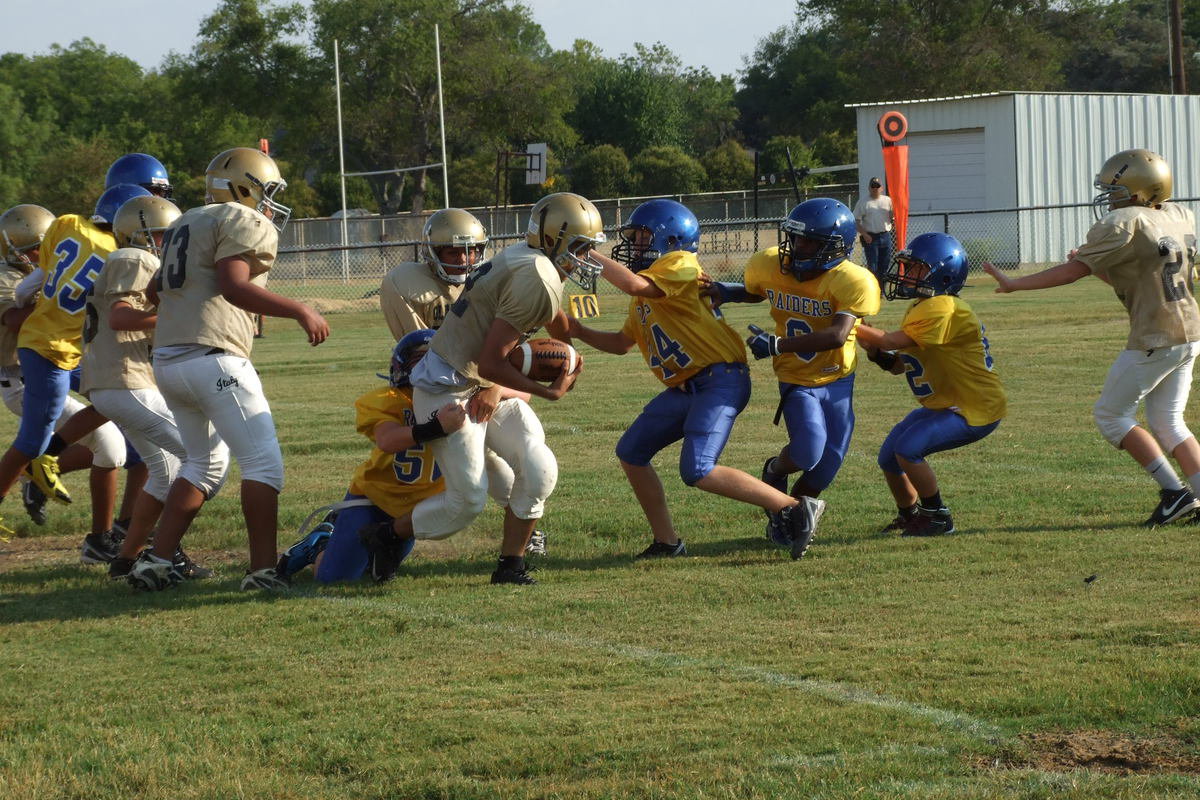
<point>875,219</point>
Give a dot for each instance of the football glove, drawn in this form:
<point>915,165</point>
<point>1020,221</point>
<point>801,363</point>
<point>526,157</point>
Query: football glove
<point>762,344</point>
<point>886,359</point>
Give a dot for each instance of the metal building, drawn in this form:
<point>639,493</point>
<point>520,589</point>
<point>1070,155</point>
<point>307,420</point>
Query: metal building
<point>1022,150</point>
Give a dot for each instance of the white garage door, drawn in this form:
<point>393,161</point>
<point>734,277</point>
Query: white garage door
<point>945,171</point>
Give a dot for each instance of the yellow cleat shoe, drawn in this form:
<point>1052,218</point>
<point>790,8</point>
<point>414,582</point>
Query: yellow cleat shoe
<point>43,471</point>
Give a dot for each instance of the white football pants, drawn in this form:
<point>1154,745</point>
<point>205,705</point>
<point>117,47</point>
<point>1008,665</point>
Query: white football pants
<point>219,407</point>
<point>143,416</point>
<point>1163,378</point>
<point>515,435</point>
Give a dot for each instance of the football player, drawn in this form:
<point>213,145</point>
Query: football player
<point>1144,247</point>
<point>416,295</point>
<point>817,297</point>
<point>696,355</point>
<point>141,170</point>
<point>117,376</point>
<point>372,531</point>
<point>215,260</point>
<point>49,348</point>
<point>506,299</point>
<point>942,349</point>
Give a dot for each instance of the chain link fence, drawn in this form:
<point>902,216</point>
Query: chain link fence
<point>333,278</point>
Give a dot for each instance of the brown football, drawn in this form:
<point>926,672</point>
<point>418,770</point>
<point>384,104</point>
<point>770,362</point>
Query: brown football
<point>543,359</point>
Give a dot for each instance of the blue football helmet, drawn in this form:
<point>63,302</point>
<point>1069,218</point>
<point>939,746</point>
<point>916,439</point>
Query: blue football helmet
<point>408,351</point>
<point>933,263</point>
<point>113,198</point>
<point>142,170</point>
<point>816,236</point>
<point>671,226</point>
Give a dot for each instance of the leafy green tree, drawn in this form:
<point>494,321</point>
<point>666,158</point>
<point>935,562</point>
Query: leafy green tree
<point>729,166</point>
<point>499,87</point>
<point>1126,50</point>
<point>634,102</point>
<point>602,171</point>
<point>665,170</point>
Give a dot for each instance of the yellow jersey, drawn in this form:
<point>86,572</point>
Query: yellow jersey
<point>805,307</point>
<point>679,334</point>
<point>72,254</point>
<point>951,366</point>
<point>394,482</point>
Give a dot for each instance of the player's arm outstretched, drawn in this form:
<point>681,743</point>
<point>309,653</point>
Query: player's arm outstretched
<point>1058,275</point>
<point>631,283</point>
<point>608,341</point>
<point>765,345</point>
<point>233,281</point>
<point>881,346</point>
<point>392,437</point>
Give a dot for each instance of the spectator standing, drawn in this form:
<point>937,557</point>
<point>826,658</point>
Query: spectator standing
<point>875,219</point>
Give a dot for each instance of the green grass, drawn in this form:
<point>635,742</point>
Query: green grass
<point>877,667</point>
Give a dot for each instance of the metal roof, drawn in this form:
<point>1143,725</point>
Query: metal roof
<point>997,94</point>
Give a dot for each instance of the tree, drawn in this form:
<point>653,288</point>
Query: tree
<point>802,75</point>
<point>667,170</point>
<point>633,103</point>
<point>729,166</point>
<point>500,90</point>
<point>602,171</point>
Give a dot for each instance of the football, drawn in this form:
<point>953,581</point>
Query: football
<point>543,359</point>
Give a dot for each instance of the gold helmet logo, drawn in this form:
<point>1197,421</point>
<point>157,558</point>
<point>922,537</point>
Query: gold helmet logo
<point>566,226</point>
<point>139,218</point>
<point>453,227</point>
<point>1132,177</point>
<point>250,177</point>
<point>22,229</point>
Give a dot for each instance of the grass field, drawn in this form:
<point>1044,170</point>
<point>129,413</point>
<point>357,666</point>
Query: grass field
<point>977,665</point>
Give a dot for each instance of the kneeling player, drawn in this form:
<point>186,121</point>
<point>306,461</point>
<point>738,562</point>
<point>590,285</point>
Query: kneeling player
<point>373,530</point>
<point>942,350</point>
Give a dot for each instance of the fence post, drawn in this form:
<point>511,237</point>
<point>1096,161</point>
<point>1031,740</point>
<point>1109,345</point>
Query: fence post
<point>946,224</point>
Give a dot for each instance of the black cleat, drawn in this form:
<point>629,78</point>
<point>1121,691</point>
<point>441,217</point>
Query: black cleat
<point>385,549</point>
<point>119,568</point>
<point>100,548</point>
<point>664,550</point>
<point>515,576</point>
<point>1173,504</point>
<point>930,522</point>
<point>189,569</point>
<point>34,500</point>
<point>804,519</point>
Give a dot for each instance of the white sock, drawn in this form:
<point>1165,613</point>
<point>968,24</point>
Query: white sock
<point>1161,471</point>
<point>1194,482</point>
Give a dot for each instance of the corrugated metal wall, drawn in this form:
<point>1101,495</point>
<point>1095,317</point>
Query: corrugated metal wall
<point>1062,139</point>
<point>1044,150</point>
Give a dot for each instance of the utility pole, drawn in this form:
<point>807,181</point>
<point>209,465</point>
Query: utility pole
<point>1175,23</point>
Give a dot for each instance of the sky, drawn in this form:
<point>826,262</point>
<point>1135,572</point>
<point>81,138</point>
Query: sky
<point>714,35</point>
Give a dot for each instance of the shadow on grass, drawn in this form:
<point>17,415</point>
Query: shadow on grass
<point>93,596</point>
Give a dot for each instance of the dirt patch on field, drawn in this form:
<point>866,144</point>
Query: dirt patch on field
<point>52,551</point>
<point>1104,751</point>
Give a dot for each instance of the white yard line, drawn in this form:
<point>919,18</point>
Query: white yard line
<point>830,690</point>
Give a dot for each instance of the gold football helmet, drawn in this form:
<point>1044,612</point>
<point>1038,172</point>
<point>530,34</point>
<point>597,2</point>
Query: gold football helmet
<point>139,218</point>
<point>22,228</point>
<point>453,227</point>
<point>566,226</point>
<point>1132,177</point>
<point>250,177</point>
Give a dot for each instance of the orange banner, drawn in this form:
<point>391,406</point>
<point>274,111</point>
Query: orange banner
<point>895,167</point>
<point>893,128</point>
